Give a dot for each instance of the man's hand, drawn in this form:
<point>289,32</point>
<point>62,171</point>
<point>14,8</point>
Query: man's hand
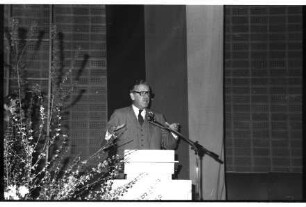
<point>112,131</point>
<point>174,126</point>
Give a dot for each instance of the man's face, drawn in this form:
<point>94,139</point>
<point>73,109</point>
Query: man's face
<point>141,101</point>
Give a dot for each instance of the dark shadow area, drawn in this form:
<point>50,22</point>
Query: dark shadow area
<point>125,52</point>
<point>166,70</point>
<point>264,186</point>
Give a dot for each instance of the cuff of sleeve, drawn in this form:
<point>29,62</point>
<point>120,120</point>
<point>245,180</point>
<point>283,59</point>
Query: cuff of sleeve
<point>108,135</point>
<point>174,135</point>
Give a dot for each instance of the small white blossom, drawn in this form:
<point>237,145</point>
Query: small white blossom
<point>23,190</point>
<point>11,193</point>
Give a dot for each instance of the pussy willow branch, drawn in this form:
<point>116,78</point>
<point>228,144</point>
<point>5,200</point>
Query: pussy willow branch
<point>21,124</point>
<point>40,132</point>
<point>6,161</point>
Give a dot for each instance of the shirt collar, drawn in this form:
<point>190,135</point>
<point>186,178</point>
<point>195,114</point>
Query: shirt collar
<point>136,111</point>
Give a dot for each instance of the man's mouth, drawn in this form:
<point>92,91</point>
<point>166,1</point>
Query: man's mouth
<point>146,101</point>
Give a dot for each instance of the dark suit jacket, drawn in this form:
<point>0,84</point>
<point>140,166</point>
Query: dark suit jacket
<point>135,136</point>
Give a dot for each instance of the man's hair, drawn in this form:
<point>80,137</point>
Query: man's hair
<point>139,82</point>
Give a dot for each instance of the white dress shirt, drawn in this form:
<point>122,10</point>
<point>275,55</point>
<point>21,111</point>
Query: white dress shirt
<point>136,111</point>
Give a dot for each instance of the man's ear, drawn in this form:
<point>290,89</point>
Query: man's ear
<point>132,96</point>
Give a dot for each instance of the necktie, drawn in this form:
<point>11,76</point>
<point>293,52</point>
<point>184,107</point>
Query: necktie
<point>140,118</point>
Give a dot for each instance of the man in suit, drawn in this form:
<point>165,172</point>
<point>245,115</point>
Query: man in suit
<point>132,125</point>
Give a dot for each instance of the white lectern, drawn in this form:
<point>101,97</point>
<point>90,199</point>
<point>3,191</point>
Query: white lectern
<point>149,177</point>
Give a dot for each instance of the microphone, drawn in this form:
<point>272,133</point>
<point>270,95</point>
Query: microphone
<point>151,116</point>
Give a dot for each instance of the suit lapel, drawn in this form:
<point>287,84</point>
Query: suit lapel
<point>133,117</point>
<point>149,127</point>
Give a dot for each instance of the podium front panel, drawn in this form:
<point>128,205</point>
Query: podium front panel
<point>149,177</point>
<point>150,187</point>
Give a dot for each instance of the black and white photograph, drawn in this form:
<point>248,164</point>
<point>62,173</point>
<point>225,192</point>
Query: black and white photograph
<point>149,102</point>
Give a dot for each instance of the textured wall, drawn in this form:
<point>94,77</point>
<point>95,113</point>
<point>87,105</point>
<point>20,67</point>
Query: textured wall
<point>37,61</point>
<point>263,88</point>
<point>83,27</point>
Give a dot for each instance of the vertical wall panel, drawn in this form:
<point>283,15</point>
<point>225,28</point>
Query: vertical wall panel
<point>205,93</point>
<point>166,69</point>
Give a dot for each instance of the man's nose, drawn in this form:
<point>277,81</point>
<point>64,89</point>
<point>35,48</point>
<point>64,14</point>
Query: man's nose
<point>146,95</point>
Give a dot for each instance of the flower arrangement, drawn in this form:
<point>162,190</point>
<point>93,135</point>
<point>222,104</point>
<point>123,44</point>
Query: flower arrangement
<point>36,160</point>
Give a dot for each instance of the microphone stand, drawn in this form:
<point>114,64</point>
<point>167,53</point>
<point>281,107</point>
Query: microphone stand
<point>199,150</point>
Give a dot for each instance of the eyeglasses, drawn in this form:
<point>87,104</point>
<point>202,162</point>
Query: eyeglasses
<point>143,93</point>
